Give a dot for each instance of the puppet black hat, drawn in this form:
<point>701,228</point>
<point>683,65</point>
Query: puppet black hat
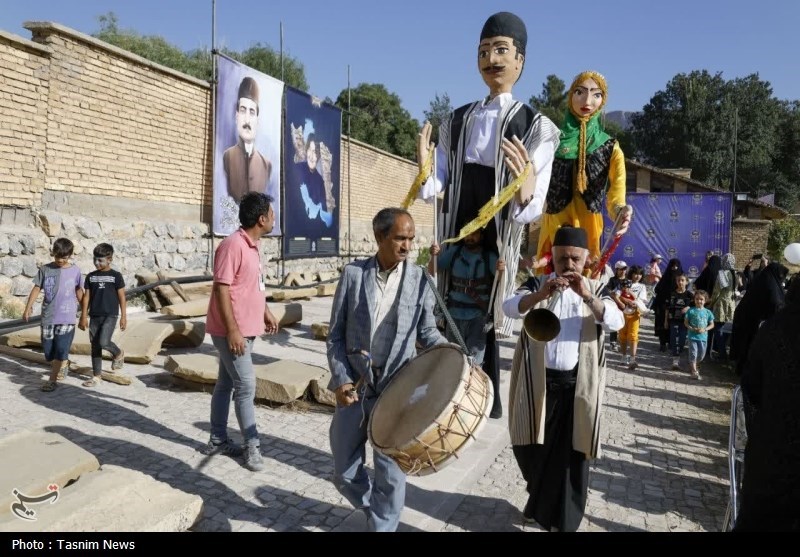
<point>506,24</point>
<point>248,89</point>
<point>571,236</point>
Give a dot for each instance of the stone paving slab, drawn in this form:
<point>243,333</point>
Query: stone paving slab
<point>665,443</point>
<point>113,499</point>
<point>31,460</point>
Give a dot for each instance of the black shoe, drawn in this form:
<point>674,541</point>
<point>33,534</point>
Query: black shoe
<point>663,348</point>
<point>225,448</point>
<point>497,410</point>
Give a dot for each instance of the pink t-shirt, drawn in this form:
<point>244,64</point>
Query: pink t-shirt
<point>237,264</point>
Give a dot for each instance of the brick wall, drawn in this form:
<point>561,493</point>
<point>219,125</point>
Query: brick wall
<point>119,126</point>
<point>748,237</point>
<point>23,120</point>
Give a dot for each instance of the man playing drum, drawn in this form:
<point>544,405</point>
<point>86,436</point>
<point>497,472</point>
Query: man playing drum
<point>383,306</point>
<point>557,386</point>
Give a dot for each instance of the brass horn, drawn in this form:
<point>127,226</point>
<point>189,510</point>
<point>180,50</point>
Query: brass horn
<point>542,324</point>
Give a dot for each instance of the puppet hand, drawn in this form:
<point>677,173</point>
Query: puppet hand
<point>424,145</point>
<point>627,212</point>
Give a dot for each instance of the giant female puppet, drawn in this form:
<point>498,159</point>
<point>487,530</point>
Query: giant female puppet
<point>493,165</point>
<point>588,166</point>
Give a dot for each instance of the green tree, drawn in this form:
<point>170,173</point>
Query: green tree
<point>198,62</point>
<point>624,137</point>
<point>378,118</point>
<point>786,173</point>
<point>782,233</point>
<point>439,110</point>
<point>717,128</point>
<point>153,48</point>
<point>552,101</point>
<point>266,60</point>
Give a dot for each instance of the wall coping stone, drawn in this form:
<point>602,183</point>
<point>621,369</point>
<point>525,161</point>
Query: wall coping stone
<point>13,38</point>
<point>49,27</point>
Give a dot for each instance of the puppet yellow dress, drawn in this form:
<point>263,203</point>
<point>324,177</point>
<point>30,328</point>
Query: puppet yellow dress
<point>588,166</point>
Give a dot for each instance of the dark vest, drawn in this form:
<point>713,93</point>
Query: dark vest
<point>245,174</point>
<point>562,178</point>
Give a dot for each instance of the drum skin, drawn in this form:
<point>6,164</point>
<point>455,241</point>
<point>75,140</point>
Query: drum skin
<point>431,410</point>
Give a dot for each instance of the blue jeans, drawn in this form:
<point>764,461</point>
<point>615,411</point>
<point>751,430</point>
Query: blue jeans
<point>236,375</point>
<point>100,331</point>
<point>677,336</point>
<point>383,499</point>
<point>471,331</point>
<point>697,350</point>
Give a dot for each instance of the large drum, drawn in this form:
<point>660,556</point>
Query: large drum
<point>431,410</point>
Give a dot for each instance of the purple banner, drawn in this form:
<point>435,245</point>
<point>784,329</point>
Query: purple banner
<point>675,225</point>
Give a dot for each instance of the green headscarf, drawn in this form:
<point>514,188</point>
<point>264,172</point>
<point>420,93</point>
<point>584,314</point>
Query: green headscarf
<point>581,135</point>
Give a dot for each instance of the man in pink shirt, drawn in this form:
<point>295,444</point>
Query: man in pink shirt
<point>237,314</point>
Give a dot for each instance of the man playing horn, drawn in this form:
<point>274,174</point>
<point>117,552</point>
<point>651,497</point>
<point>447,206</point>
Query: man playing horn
<point>484,148</point>
<point>557,386</point>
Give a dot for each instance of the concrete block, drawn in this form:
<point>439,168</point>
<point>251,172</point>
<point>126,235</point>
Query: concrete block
<point>320,392</point>
<point>32,460</point>
<point>113,499</point>
<point>279,295</point>
<point>200,368</point>
<point>287,314</point>
<point>293,279</point>
<point>192,308</point>
<point>141,341</point>
<point>328,289</point>
<point>285,380</point>
<point>320,330</point>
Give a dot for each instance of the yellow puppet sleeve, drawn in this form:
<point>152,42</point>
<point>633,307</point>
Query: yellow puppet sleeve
<point>616,182</point>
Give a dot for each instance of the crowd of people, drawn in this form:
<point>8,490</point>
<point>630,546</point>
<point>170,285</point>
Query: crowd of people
<point>502,168</point>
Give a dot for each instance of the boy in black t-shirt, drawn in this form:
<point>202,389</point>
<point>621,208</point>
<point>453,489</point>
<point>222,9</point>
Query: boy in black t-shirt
<point>680,300</point>
<point>103,302</point>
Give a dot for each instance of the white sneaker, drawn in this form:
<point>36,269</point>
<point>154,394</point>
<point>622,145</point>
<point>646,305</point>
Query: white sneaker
<point>675,363</point>
<point>627,360</point>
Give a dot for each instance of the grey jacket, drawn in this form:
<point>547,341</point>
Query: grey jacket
<point>351,323</point>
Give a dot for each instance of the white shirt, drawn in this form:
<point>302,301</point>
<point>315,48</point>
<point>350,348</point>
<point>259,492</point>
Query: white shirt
<point>481,149</point>
<point>562,352</point>
<point>383,329</point>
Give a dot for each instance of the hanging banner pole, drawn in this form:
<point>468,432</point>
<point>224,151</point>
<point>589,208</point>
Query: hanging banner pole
<point>435,217</point>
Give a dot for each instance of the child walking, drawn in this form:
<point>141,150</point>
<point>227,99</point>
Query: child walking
<point>61,283</point>
<point>472,270</point>
<point>680,300</point>
<point>104,302</point>
<point>633,296</point>
<point>699,320</point>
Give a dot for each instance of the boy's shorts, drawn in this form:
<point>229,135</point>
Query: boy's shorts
<point>56,341</point>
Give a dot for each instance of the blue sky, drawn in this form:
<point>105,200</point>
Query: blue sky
<point>420,48</point>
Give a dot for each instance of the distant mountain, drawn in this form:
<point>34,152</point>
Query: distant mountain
<point>622,118</point>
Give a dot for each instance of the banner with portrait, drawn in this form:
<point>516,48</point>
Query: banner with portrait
<point>675,225</point>
<point>247,153</point>
<point>311,183</point>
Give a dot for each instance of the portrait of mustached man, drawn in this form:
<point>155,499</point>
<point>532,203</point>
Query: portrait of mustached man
<point>246,170</point>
